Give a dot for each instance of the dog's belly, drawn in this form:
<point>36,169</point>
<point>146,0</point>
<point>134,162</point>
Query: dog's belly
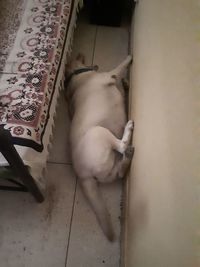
<point>103,107</point>
<point>115,123</point>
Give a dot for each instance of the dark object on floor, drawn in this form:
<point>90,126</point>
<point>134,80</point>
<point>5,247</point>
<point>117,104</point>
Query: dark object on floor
<point>106,12</point>
<point>10,153</point>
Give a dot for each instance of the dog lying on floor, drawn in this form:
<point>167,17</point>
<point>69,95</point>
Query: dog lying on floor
<point>99,136</point>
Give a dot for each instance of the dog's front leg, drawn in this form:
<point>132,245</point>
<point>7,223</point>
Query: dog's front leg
<point>117,73</point>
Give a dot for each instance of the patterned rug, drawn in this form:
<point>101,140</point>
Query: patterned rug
<point>34,33</point>
<point>11,13</point>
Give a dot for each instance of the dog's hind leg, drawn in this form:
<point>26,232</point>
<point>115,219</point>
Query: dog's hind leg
<point>121,167</point>
<point>125,162</point>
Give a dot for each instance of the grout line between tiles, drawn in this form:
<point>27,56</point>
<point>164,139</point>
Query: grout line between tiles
<point>70,226</point>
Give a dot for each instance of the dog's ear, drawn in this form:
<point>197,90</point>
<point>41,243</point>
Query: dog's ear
<point>80,57</point>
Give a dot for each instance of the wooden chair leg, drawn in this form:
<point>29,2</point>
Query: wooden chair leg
<point>10,153</point>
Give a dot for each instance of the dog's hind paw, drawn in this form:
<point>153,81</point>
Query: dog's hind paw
<point>129,152</point>
<point>125,84</point>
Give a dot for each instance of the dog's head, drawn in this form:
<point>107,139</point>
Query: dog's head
<point>77,63</point>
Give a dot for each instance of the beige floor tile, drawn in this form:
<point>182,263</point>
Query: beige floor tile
<point>88,246</point>
<point>84,41</point>
<point>111,47</point>
<point>60,150</point>
<point>33,234</point>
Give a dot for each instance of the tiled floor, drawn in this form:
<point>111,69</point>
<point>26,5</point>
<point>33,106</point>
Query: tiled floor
<point>63,232</point>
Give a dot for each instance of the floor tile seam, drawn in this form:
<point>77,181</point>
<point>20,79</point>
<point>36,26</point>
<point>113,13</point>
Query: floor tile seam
<point>71,222</point>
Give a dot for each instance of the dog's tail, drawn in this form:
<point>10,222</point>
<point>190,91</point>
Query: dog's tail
<point>93,194</point>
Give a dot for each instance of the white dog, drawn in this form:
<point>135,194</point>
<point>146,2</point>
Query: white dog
<point>100,137</point>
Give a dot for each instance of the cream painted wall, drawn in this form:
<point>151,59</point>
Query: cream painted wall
<point>165,80</point>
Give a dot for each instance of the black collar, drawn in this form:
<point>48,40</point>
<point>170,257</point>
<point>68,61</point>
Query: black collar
<point>79,71</point>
